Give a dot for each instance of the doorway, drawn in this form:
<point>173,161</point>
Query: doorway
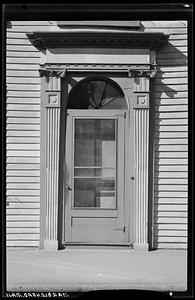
<point>95,201</point>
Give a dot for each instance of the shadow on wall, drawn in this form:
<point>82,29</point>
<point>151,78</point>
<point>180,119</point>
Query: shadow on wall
<point>167,92</point>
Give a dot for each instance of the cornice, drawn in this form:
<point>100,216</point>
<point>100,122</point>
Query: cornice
<point>129,39</point>
<point>132,70</point>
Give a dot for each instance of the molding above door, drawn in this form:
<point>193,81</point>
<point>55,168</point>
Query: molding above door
<point>104,38</point>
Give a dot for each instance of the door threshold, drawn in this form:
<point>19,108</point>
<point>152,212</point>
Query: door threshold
<point>94,246</point>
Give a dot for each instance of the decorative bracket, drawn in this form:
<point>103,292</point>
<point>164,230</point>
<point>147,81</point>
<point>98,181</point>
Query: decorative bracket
<point>142,73</point>
<point>52,73</point>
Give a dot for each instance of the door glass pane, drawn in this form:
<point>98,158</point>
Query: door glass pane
<point>95,163</point>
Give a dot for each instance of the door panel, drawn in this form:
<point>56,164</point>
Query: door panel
<point>94,203</point>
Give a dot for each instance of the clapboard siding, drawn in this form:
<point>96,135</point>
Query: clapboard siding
<point>170,103</point>
<point>23,136</point>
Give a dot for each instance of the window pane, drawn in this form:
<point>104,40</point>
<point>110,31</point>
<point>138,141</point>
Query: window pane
<point>94,193</point>
<point>95,163</point>
<point>95,143</point>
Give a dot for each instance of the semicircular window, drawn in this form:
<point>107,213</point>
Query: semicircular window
<point>97,93</point>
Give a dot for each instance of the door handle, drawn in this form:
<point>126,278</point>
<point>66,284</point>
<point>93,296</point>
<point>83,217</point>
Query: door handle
<point>120,229</point>
<point>69,188</point>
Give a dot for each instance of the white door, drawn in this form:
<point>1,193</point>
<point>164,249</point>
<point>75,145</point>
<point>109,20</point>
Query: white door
<point>95,183</point>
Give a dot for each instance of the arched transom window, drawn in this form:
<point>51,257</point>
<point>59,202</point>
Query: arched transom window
<point>97,93</point>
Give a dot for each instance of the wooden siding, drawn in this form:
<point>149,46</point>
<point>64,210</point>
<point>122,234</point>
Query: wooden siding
<point>23,136</point>
<point>169,101</point>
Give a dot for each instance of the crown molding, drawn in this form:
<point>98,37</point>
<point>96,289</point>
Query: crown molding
<point>105,38</point>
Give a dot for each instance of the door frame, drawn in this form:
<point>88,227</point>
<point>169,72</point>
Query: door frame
<point>135,84</point>
<point>123,116</point>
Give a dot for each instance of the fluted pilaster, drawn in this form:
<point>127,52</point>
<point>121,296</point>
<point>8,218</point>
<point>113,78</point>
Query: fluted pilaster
<point>141,117</point>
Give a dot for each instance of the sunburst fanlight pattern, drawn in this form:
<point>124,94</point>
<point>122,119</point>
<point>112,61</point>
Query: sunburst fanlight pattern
<point>98,93</point>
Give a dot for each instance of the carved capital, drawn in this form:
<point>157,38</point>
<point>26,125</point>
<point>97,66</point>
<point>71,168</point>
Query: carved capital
<point>52,73</point>
<point>142,73</point>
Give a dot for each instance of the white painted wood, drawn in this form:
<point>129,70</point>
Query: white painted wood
<point>171,181</point>
<point>175,227</point>
<point>31,73</point>
<point>20,218</point>
<point>22,66</point>
<point>165,108</point>
<point>172,245</point>
<point>23,199</point>
<point>141,174</point>
<point>24,205</point>
<point>23,153</point>
<point>171,207</point>
<point>171,121</point>
<point>99,55</point>
<point>26,166</point>
<point>30,231</point>
<point>23,147</point>
<point>23,225</point>
<point>169,174</point>
<point>23,120</point>
<point>30,54</point>
<point>23,87</point>
<point>23,179</point>
<point>31,114</point>
<point>22,133</point>
<point>23,80</point>
<point>23,140</point>
<point>24,244</point>
<point>171,187</point>
<point>171,201</point>
<point>23,193</point>
<point>171,141</point>
<point>171,233</point>
<point>24,186</point>
<point>33,160</point>
<point>172,154</point>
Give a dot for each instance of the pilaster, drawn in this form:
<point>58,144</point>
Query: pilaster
<point>51,110</point>
<point>140,104</point>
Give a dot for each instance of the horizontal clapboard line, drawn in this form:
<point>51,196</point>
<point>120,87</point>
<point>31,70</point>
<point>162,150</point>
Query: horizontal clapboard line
<point>19,107</point>
<point>21,114</point>
<point>22,67</point>
<point>171,154</point>
<point>172,194</point>
<point>171,81</point>
<point>24,199</point>
<point>16,133</point>
<point>171,55</point>
<point>23,127</point>
<point>23,166</point>
<point>25,101</point>
<point>28,83</point>
<point>168,75</point>
<point>20,179</point>
<point>23,80</point>
<point>166,95</point>
<point>27,147</point>
<point>23,205</point>
<point>169,174</point>
<point>165,180</point>
<point>22,192</point>
<point>23,120</point>
<point>172,141</point>
<point>20,49</point>
<point>26,212</point>
<point>174,122</point>
<point>171,115</point>
<point>28,153</point>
